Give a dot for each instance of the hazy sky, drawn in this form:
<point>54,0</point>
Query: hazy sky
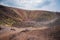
<point>50,5</point>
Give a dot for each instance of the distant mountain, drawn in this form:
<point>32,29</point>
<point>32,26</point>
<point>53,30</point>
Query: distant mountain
<point>27,18</point>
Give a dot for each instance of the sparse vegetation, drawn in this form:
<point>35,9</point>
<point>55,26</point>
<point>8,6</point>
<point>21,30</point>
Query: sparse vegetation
<point>17,17</point>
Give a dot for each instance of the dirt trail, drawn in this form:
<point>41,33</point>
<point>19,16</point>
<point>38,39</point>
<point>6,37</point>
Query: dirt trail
<point>30,33</point>
<point>13,30</point>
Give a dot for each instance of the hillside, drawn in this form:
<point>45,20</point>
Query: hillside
<point>19,24</point>
<point>25,18</point>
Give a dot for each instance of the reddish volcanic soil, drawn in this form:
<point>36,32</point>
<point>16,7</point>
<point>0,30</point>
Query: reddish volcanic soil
<point>43,33</point>
<point>29,25</point>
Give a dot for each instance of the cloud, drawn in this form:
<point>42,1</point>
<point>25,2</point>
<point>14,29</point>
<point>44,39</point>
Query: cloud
<point>50,5</point>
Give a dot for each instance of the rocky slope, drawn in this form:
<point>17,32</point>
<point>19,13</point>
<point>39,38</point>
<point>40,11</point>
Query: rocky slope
<point>19,24</point>
<point>26,18</point>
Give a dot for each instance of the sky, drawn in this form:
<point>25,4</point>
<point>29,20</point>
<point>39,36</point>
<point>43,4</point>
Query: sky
<point>49,5</point>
